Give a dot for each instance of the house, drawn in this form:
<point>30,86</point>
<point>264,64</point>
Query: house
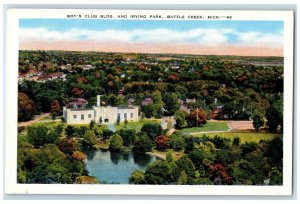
<point>88,67</point>
<point>190,100</point>
<point>105,114</point>
<point>52,76</point>
<point>174,65</point>
<point>147,101</point>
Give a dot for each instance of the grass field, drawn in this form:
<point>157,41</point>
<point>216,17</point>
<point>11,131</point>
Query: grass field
<point>209,126</point>
<point>244,136</point>
<point>136,125</point>
<point>47,124</point>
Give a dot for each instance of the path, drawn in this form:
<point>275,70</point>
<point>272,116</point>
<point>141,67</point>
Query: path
<point>36,119</point>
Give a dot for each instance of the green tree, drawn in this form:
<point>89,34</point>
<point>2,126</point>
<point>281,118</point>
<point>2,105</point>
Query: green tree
<point>137,177</point>
<point>176,141</point>
<point>181,122</point>
<point>70,131</point>
<point>92,124</point>
<point>41,135</point>
<point>257,122</point>
<point>160,172</point>
<point>142,143</point>
<point>116,143</point>
<point>171,104</point>
<point>183,179</point>
<point>273,119</point>
<point>152,130</point>
<point>89,138</point>
<point>128,136</point>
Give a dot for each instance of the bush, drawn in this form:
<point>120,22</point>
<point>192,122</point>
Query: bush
<point>177,142</point>
<point>116,143</point>
<point>152,130</point>
<point>142,144</point>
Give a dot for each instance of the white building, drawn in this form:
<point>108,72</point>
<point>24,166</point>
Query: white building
<point>105,114</point>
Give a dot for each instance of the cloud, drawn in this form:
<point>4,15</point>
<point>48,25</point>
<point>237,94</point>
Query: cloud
<point>204,36</point>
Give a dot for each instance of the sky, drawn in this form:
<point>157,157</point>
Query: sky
<point>248,38</point>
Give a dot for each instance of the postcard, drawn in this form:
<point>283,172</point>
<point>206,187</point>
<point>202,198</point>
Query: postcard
<point>149,102</point>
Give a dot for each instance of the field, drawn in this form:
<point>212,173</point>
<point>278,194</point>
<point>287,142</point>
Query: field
<point>244,136</point>
<point>209,126</point>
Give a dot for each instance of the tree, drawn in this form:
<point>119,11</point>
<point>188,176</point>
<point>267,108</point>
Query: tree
<point>257,122</point>
<point>128,136</point>
<point>55,109</point>
<point>162,142</point>
<point>70,131</point>
<point>67,146</point>
<point>116,143</point>
<point>152,130</point>
<point>92,124</point>
<point>273,119</point>
<point>142,144</point>
<point>184,164</point>
<point>41,135</point>
<point>171,103</point>
<point>118,120</point>
<point>218,173</point>
<point>89,138</point>
<point>176,141</point>
<point>26,107</point>
<point>160,172</point>
<point>107,133</point>
<point>197,118</point>
<point>137,177</point>
<point>183,179</point>
<point>236,141</point>
<point>180,117</point>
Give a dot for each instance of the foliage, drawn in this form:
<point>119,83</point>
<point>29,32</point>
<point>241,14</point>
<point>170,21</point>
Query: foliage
<point>257,122</point>
<point>152,130</point>
<point>89,138</point>
<point>128,136</point>
<point>47,165</point>
<point>197,118</point>
<point>274,119</point>
<point>66,145</point>
<point>176,141</point>
<point>137,177</point>
<point>161,142</point>
<point>142,144</point>
<point>41,135</point>
<point>26,107</point>
<point>180,117</point>
<point>116,143</point>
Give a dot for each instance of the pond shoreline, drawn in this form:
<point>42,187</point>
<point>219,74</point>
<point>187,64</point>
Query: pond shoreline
<point>157,155</point>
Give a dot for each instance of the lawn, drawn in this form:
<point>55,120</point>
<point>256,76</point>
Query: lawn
<point>47,124</point>
<point>137,126</point>
<point>209,126</point>
<point>244,136</point>
<point>176,155</point>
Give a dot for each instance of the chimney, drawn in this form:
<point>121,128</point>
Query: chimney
<point>98,100</point>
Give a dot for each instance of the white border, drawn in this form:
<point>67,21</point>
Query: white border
<point>11,186</point>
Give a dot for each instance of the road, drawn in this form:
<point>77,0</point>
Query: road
<point>36,119</point>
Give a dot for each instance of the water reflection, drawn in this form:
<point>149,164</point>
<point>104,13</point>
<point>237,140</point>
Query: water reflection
<point>115,157</point>
<point>115,167</point>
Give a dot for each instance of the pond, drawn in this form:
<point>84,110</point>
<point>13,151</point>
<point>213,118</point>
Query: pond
<point>115,167</point>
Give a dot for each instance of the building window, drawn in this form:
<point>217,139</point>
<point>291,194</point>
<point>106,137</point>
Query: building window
<point>131,115</point>
<point>125,115</point>
<point>82,117</point>
<point>106,120</point>
<point>74,116</point>
<point>90,115</point>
